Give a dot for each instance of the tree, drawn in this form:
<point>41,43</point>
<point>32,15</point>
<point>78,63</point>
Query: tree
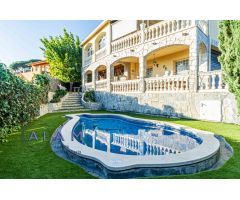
<point>22,64</point>
<point>229,38</point>
<point>3,65</point>
<point>64,56</point>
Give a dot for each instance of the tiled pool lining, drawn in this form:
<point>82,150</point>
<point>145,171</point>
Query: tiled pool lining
<point>195,160</point>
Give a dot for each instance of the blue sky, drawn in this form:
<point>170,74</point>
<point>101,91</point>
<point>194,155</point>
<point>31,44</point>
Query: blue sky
<point>20,40</point>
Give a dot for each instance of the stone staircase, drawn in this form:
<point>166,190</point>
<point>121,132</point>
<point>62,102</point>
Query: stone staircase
<point>71,103</point>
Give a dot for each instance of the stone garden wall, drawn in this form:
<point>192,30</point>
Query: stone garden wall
<point>50,107</point>
<point>214,106</point>
<point>91,105</point>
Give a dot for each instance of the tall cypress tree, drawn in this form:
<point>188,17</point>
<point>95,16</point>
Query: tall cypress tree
<point>229,38</point>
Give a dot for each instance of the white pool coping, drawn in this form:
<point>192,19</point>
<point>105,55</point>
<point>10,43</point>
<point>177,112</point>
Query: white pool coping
<point>116,162</point>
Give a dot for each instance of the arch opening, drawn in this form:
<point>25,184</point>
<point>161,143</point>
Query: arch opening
<point>167,61</point>
<point>88,76</point>
<point>125,69</point>
<point>101,73</point>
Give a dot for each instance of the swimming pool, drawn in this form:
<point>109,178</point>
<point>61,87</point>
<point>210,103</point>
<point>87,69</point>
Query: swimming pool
<point>119,146</point>
<point>121,135</point>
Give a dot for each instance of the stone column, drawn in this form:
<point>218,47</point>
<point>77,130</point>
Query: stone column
<point>142,68</point>
<point>193,65</point>
<point>142,27</point>
<point>109,75</point>
<point>83,81</point>
<point>94,79</point>
<point>109,39</point>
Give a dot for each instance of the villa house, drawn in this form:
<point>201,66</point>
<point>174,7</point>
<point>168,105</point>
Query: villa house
<point>38,67</point>
<point>158,67</point>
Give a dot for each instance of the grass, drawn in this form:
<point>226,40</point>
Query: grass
<point>36,159</point>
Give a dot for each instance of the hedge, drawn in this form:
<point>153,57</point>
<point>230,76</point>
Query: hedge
<point>19,102</point>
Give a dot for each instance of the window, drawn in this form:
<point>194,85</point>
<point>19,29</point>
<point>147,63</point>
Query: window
<point>89,78</point>
<point>182,66</point>
<point>89,52</point>
<point>202,54</point>
<point>215,64</point>
<point>102,42</point>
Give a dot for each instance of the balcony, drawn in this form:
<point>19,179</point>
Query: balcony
<point>125,86</point>
<point>101,53</point>
<point>89,86</point>
<point>153,32</point>
<point>101,85</point>
<point>170,83</point>
<point>87,61</point>
<point>211,81</point>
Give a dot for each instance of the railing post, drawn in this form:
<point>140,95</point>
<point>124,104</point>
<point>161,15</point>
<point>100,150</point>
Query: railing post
<point>142,27</point>
<point>109,78</point>
<point>142,65</point>
<point>94,79</point>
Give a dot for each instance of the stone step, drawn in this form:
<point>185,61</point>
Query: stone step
<point>73,98</point>
<point>70,110</point>
<point>72,106</point>
<point>77,99</point>
<point>77,108</point>
<point>70,102</point>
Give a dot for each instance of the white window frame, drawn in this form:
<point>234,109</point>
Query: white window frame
<point>187,67</point>
<point>89,51</point>
<point>102,42</point>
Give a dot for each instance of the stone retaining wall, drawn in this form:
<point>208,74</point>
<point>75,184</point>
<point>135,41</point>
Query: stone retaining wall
<point>50,107</point>
<point>214,106</point>
<point>91,105</point>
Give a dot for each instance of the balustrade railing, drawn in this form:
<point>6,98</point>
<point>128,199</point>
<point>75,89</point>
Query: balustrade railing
<point>101,53</point>
<point>88,86</point>
<point>101,85</point>
<point>165,27</point>
<point>169,83</point>
<point>211,80</point>
<point>126,42</point>
<point>155,31</point>
<point>87,61</point>
<point>125,86</point>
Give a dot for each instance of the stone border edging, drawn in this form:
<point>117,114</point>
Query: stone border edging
<point>117,162</point>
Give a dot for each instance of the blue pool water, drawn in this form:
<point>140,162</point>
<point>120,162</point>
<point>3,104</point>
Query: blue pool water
<point>121,135</point>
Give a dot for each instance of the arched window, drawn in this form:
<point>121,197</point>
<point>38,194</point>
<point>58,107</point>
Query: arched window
<point>102,42</point>
<point>202,54</point>
<point>89,51</point>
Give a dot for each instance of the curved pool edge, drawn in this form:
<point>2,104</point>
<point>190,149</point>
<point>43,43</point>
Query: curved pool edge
<point>203,156</point>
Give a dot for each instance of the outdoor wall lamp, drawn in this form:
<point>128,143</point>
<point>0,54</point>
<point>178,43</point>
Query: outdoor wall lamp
<point>185,34</point>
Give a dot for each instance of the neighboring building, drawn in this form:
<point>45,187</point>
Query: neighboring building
<point>38,67</point>
<point>158,67</point>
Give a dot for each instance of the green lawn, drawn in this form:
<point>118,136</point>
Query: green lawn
<point>36,159</point>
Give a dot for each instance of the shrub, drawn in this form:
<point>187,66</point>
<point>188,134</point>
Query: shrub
<point>43,82</point>
<point>19,102</point>
<point>58,95</point>
<point>89,96</point>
